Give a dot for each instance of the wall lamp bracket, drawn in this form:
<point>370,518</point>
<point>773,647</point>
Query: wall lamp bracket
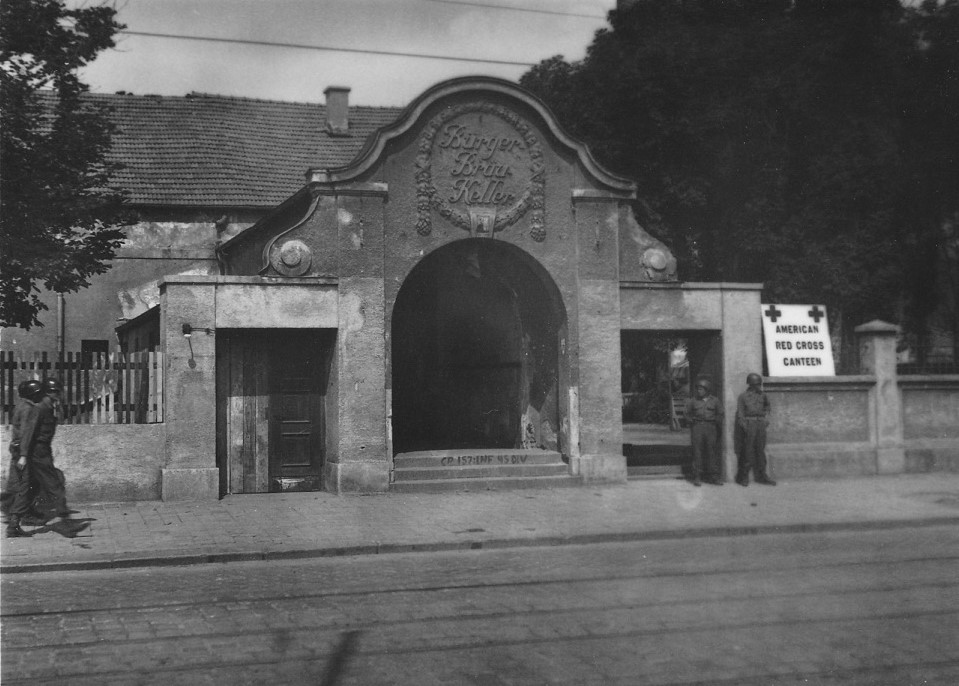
<point>188,330</point>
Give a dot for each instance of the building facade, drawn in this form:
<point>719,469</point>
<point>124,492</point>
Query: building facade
<point>445,293</point>
<point>457,291</point>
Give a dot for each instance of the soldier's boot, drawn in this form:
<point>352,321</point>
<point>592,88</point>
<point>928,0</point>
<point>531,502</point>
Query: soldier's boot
<point>14,530</point>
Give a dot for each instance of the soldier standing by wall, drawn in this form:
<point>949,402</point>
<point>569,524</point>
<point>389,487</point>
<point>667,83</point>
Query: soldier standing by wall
<point>25,417</point>
<point>705,415</point>
<point>752,411</point>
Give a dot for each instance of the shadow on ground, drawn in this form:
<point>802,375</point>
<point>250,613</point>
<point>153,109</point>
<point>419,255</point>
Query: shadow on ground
<point>68,528</point>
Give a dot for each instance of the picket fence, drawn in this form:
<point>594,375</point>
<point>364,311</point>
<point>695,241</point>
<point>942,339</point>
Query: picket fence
<point>110,388</point>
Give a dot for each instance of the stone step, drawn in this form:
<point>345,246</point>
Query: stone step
<point>649,455</point>
<point>480,471</point>
<point>654,472</point>
<point>475,458</point>
<point>485,484</point>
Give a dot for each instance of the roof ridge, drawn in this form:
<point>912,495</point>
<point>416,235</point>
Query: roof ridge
<point>195,95</point>
<point>200,94</point>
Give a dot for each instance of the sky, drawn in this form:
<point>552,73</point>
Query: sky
<point>523,31</point>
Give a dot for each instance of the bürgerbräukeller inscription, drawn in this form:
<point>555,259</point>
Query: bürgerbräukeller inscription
<point>480,166</point>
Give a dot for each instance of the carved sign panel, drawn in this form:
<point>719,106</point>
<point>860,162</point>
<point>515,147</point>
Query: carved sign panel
<point>480,166</point>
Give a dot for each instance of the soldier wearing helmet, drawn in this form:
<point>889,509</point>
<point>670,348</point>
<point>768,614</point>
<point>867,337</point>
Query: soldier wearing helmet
<point>48,482</point>
<point>752,412</point>
<point>704,412</point>
<point>52,389</point>
<point>25,418</point>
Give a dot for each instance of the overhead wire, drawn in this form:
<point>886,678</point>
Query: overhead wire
<point>519,9</point>
<point>328,48</point>
<point>368,51</point>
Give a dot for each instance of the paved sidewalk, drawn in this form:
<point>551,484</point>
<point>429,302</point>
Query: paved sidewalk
<point>278,526</point>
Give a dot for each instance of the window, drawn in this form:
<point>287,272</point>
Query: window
<point>91,347</point>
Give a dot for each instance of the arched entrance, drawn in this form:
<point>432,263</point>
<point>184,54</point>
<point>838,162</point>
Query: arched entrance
<point>475,351</point>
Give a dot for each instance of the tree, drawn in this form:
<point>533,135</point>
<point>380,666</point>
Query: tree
<point>768,139</point>
<point>931,176</point>
<point>61,221</point>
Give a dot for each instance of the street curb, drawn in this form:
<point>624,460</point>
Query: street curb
<point>174,560</point>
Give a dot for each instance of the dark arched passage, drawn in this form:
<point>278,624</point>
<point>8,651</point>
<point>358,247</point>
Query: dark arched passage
<point>476,332</point>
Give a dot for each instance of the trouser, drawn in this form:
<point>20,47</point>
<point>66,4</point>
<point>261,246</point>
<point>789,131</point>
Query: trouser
<point>50,498</point>
<point>705,443</point>
<point>753,453</point>
<point>19,493</point>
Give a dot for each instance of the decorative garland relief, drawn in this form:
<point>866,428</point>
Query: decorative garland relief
<point>480,166</point>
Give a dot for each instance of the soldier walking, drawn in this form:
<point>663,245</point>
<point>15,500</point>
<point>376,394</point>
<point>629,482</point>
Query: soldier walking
<point>50,500</point>
<point>705,415</point>
<point>752,412</point>
<point>20,482</point>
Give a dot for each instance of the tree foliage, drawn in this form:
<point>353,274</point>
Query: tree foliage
<point>810,145</point>
<point>61,221</point>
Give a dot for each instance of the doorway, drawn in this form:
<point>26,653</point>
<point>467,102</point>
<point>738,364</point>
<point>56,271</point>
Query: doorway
<point>475,337</point>
<point>271,408</point>
<point>658,369</point>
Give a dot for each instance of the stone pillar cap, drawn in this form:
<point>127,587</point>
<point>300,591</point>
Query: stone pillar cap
<point>877,326</point>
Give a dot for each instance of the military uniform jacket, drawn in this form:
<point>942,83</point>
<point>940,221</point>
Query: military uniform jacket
<point>707,409</point>
<point>752,404</point>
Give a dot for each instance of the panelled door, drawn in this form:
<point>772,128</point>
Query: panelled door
<point>297,383</point>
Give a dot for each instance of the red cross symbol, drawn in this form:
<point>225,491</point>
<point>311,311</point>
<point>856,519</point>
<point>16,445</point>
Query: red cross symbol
<point>816,313</point>
<point>774,313</point>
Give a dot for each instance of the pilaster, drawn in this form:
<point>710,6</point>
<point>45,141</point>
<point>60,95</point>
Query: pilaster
<point>877,355</point>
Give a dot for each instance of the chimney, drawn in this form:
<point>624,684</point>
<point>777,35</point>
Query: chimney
<point>337,110</point>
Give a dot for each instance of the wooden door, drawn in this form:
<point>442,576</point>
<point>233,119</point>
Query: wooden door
<point>271,392</point>
<point>297,383</point>
<point>242,412</point>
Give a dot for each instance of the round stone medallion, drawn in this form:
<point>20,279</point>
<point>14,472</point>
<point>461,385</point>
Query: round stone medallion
<point>292,258</point>
<point>655,259</point>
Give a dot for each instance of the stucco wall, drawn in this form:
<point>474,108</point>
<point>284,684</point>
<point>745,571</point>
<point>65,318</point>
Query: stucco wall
<point>821,426</point>
<point>109,462</point>
<point>166,241</point>
<point>930,409</point>
<point>930,406</point>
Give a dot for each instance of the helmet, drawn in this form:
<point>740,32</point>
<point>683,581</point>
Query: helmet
<point>51,386</point>
<point>754,380</point>
<point>30,389</point>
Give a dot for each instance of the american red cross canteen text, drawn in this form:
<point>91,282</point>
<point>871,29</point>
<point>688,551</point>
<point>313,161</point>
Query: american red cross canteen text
<point>802,361</point>
<point>800,345</point>
<point>796,328</point>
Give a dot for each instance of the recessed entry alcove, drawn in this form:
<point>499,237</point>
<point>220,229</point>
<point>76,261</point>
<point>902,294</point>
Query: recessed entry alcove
<point>475,338</point>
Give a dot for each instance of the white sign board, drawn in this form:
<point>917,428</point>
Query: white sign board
<point>797,340</point>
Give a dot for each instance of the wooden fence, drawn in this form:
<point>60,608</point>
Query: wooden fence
<point>97,388</point>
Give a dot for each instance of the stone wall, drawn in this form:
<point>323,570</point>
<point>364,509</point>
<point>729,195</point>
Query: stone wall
<point>821,426</point>
<point>876,423</point>
<point>930,411</point>
<point>108,462</point>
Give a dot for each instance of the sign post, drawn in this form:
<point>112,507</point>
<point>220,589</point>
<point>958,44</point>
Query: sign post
<point>797,340</point>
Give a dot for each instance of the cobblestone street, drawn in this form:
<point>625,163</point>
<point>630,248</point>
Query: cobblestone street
<point>876,607</point>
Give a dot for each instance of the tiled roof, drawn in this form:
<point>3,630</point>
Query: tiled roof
<point>211,150</point>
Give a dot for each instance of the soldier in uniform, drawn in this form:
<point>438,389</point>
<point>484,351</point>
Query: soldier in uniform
<point>50,500</point>
<point>752,411</point>
<point>25,419</point>
<point>704,413</point>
